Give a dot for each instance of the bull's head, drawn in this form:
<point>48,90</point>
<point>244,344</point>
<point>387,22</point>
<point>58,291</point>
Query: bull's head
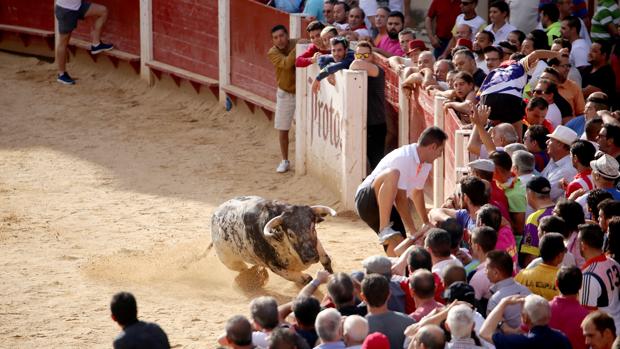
<point>298,224</point>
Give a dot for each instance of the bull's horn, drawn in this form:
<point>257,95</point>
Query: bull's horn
<point>272,224</point>
<point>323,210</point>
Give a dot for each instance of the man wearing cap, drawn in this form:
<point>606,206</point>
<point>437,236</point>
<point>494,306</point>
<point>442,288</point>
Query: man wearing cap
<point>382,200</point>
<point>605,173</point>
<point>416,46</point>
<point>390,46</point>
<point>484,169</point>
<point>537,191</point>
<point>560,166</point>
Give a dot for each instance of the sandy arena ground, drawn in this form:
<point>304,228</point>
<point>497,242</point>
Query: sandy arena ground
<point>109,185</point>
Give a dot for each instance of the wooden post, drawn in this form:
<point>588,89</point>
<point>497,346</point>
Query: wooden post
<point>146,39</point>
<point>438,165</point>
<point>224,46</point>
<point>295,28</point>
<point>403,114</point>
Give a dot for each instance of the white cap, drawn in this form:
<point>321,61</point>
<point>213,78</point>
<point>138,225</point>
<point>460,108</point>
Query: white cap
<point>483,165</point>
<point>606,165</point>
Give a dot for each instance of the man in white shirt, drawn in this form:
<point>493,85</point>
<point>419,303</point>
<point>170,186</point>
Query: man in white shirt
<point>498,16</point>
<point>560,166</point>
<point>68,12</point>
<point>524,14</point>
<point>578,58</point>
<point>382,200</point>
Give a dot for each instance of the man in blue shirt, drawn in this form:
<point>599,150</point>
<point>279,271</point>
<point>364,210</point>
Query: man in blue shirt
<point>340,58</point>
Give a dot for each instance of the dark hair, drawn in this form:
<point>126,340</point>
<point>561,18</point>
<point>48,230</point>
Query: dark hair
<point>552,71</point>
<point>419,258</point>
<point>539,38</point>
<point>124,308</point>
<point>602,321</point>
<point>537,102</point>
<point>432,135</point>
<point>455,229</point>
<point>593,127</point>
<point>501,6</point>
<point>564,43</point>
<point>551,86</point>
<point>453,273</point>
<point>484,236</point>
<point>465,76</point>
<point>539,133</point>
<point>385,8</point>
<point>551,10</point>
<point>306,309</point>
<point>365,44</point>
<point>340,289</point>
<point>573,22</point>
<point>438,242</point>
<point>592,235</point>
<point>551,246</point>
<point>490,216</point>
<point>339,40</point>
<point>422,282</point>
<point>520,35</point>
<point>613,237</point>
<point>517,56</point>
<point>315,25</point>
<point>609,207</point>
<point>465,52</point>
<point>361,10</point>
<point>572,214</point>
<point>569,280</point>
<point>596,196</point>
<point>489,35</point>
<point>239,330</point>
<point>397,14</point>
<point>346,6</point>
<point>277,27</point>
<point>584,151</point>
<point>613,132</point>
<point>501,159</point>
<point>501,261</point>
<point>552,224</point>
<point>376,289</point>
<point>475,189</point>
<point>605,47</point>
<point>493,48</point>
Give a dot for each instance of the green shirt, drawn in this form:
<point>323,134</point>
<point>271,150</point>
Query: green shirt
<point>607,12</point>
<point>553,32</point>
<point>515,193</point>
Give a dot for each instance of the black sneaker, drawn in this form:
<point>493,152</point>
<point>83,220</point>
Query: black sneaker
<point>64,78</point>
<point>100,48</point>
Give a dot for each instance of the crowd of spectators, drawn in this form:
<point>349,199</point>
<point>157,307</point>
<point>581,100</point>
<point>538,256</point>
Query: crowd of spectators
<point>525,251</point>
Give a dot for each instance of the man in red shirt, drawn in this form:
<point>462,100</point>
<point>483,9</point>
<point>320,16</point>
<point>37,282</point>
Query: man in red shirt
<point>566,311</point>
<point>443,13</point>
<point>582,152</point>
<point>316,48</point>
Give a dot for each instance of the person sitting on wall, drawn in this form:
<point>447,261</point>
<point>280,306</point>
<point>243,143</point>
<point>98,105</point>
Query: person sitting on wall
<point>341,58</point>
<point>68,12</point>
<point>382,200</point>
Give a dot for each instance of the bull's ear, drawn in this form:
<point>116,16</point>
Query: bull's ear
<point>271,225</point>
<point>323,211</point>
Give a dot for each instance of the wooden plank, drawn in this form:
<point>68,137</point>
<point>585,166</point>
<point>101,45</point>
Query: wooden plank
<point>182,73</point>
<point>250,97</point>
<point>115,53</point>
<point>26,30</point>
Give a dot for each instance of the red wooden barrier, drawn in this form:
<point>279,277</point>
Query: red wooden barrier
<point>250,39</point>
<point>391,82</point>
<point>37,14</point>
<point>122,28</point>
<point>452,123</point>
<point>421,106</point>
<point>185,35</point>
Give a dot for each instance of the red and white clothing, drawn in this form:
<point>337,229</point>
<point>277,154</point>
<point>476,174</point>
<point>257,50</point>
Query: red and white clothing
<point>305,59</point>
<point>582,180</point>
<point>601,286</point>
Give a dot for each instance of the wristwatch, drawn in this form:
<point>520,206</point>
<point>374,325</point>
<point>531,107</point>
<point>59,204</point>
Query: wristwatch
<point>499,325</point>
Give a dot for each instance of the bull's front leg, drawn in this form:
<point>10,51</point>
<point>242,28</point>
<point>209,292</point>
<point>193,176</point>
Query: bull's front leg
<point>295,276</point>
<point>324,258</point>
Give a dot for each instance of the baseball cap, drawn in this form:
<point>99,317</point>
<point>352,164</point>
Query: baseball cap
<point>460,291</point>
<point>606,165</point>
<point>564,135</point>
<point>417,44</point>
<point>482,165</point>
<point>464,42</point>
<point>539,185</point>
<point>376,340</point>
<point>378,265</point>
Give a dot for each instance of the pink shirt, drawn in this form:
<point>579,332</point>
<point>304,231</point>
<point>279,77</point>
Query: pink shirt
<point>506,241</point>
<point>566,316</point>
<point>572,245</point>
<point>391,45</point>
<point>423,309</point>
<point>480,282</point>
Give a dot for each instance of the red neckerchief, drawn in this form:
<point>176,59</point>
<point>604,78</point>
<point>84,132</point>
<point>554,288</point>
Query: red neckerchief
<point>363,26</point>
<point>599,258</point>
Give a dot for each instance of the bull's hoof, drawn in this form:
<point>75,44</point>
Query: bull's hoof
<point>253,278</point>
<point>305,279</point>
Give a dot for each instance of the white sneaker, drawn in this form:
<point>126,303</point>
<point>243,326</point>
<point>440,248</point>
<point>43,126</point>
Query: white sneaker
<point>283,166</point>
<point>387,234</point>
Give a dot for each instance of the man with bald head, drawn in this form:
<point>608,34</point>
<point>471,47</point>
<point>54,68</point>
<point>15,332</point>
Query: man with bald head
<point>483,142</point>
<point>429,337</point>
<point>355,331</point>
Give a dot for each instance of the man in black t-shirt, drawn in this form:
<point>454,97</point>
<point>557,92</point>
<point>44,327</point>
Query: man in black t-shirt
<point>375,125</point>
<point>136,334</point>
<point>599,76</point>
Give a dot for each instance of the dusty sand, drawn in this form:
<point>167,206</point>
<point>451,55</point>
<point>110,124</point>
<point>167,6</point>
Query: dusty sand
<point>109,185</point>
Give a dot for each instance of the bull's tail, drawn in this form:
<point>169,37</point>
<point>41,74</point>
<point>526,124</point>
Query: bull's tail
<point>210,247</point>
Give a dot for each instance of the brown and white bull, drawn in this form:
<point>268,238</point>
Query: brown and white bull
<point>270,234</point>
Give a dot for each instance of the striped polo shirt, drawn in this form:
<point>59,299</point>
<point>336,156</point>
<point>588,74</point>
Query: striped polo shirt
<point>607,12</point>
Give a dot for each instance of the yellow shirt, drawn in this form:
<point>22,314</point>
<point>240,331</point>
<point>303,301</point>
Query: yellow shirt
<point>284,62</point>
<point>540,280</point>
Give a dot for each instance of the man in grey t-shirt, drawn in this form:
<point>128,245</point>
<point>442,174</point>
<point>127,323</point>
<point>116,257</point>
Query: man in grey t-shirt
<point>375,292</point>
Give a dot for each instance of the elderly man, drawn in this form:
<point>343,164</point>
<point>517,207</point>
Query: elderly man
<point>355,330</point>
<point>422,285</point>
<point>238,333</point>
<point>560,166</point>
<point>382,200</point>
<point>429,337</point>
<point>483,142</point>
<point>464,60</point>
<point>328,327</point>
<point>535,315</point>
<point>599,330</point>
<point>460,323</point>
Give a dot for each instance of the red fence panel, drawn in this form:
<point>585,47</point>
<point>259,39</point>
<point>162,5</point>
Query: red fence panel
<point>421,105</point>
<point>391,82</point>
<point>37,14</point>
<point>250,69</point>
<point>185,35</point>
<point>122,28</point>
